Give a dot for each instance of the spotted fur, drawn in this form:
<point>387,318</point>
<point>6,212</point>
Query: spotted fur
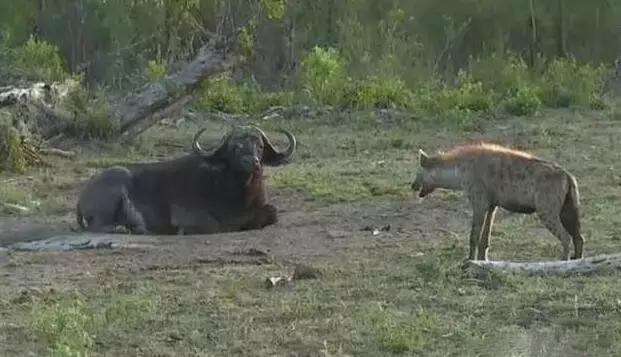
<point>494,176</point>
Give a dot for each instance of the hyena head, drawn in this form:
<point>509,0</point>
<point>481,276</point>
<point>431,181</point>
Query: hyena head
<point>434,173</point>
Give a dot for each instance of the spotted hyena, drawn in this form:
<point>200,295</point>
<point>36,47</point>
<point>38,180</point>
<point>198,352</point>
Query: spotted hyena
<point>494,176</point>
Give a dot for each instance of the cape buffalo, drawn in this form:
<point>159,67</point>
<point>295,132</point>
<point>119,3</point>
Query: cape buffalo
<point>210,190</point>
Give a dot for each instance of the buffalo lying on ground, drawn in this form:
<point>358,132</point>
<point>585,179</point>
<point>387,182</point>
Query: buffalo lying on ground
<point>208,191</point>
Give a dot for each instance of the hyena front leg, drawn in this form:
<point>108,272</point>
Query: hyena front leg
<point>480,207</point>
<point>487,230</point>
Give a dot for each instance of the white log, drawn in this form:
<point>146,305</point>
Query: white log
<point>57,152</point>
<point>36,91</point>
<point>588,265</point>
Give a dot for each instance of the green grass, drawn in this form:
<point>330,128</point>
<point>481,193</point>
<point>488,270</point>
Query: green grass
<point>332,185</point>
<point>394,331</point>
<point>72,324</point>
<point>15,200</point>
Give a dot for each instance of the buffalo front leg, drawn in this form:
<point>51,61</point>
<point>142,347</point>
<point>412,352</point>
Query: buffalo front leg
<point>261,217</point>
<point>199,221</point>
<point>487,230</point>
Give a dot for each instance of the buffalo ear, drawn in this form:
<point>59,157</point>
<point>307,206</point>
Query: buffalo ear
<point>424,159</point>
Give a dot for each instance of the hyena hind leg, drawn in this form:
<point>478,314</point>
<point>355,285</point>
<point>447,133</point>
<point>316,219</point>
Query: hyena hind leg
<point>553,223</point>
<point>570,219</point>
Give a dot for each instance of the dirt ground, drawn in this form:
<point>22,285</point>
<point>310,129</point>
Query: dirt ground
<point>345,207</point>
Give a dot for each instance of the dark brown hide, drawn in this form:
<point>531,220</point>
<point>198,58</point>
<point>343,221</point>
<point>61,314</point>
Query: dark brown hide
<point>214,190</point>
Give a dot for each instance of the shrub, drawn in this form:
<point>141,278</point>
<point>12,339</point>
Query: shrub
<point>154,71</point>
<point>40,60</point>
<point>323,75</point>
<point>471,95</point>
<point>501,75</point>
<point>219,94</point>
<point>222,95</point>
<point>524,102</point>
<point>91,117</point>
<point>597,102</point>
<point>565,82</point>
<point>255,100</point>
<point>12,156</point>
<point>382,93</point>
<point>457,104</point>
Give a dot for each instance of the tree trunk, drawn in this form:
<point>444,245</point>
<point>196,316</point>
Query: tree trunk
<point>589,265</point>
<point>561,40</point>
<point>533,30</point>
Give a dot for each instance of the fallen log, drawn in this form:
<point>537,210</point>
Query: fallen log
<point>154,98</point>
<point>11,95</point>
<point>590,265</point>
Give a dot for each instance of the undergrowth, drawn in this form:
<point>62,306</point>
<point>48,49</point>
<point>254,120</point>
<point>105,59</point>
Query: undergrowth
<point>490,85</point>
<point>72,325</point>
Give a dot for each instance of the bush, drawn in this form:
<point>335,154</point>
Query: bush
<point>442,102</point>
<point>471,95</point>
<point>221,95</point>
<point>12,156</point>
<point>154,71</point>
<point>382,93</point>
<point>91,116</point>
<point>255,100</point>
<point>501,75</point>
<point>323,75</point>
<point>524,102</point>
<point>40,60</point>
<point>565,82</point>
<point>454,104</point>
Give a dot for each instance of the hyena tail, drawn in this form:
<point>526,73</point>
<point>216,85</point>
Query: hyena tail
<point>570,216</point>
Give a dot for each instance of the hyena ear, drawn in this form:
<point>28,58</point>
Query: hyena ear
<point>423,158</point>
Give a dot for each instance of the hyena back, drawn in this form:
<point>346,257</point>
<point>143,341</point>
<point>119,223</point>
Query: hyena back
<point>494,176</point>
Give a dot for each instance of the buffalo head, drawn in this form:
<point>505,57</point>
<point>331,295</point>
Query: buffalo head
<point>246,151</point>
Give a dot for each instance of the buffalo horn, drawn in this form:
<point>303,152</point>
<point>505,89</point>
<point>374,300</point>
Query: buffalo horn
<point>279,158</point>
<point>196,147</point>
